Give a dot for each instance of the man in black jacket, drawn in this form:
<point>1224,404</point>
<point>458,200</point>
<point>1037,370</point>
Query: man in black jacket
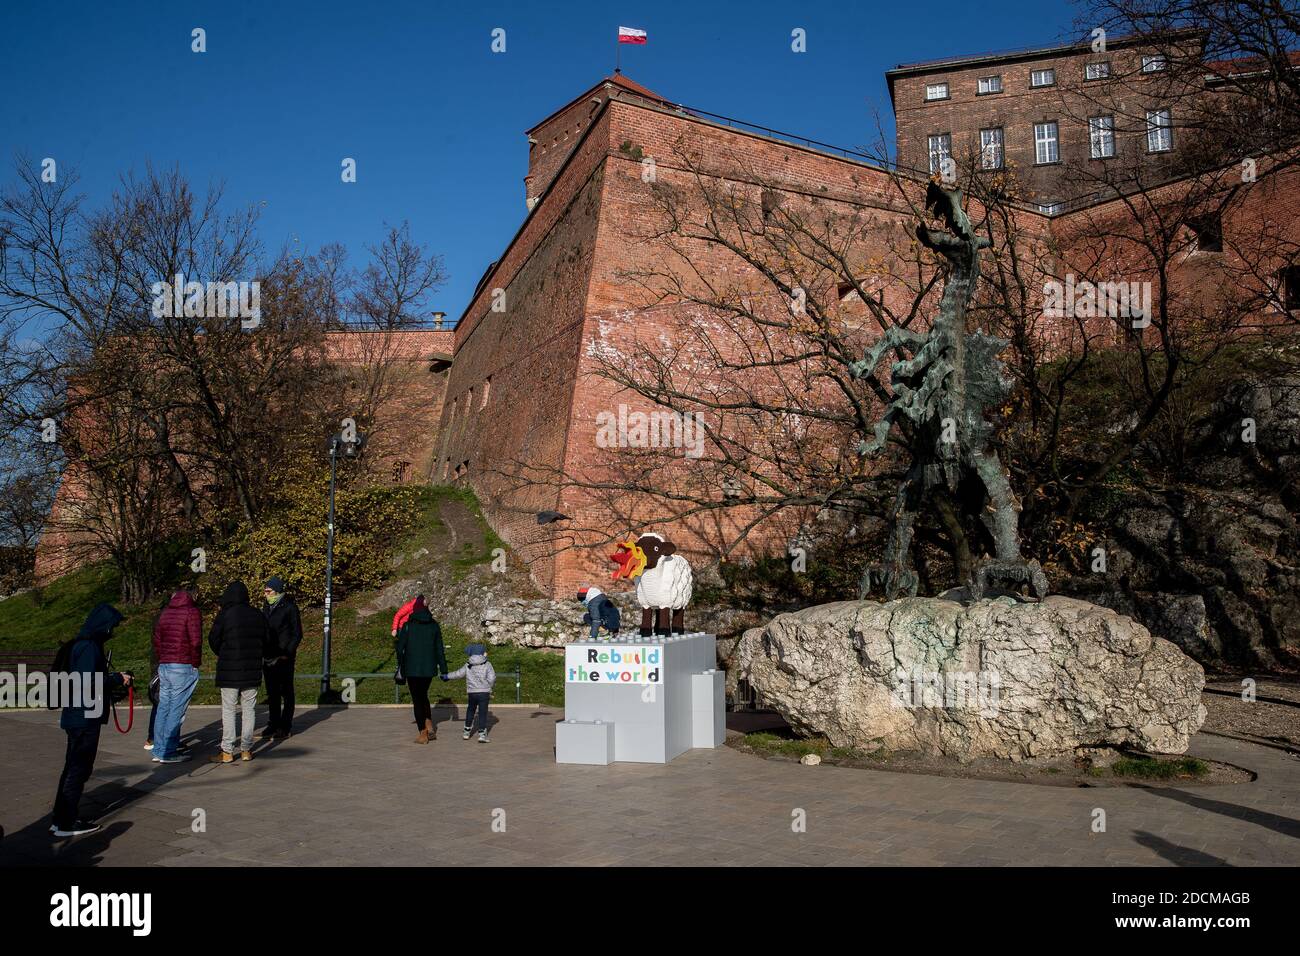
<point>241,641</point>
<point>285,625</point>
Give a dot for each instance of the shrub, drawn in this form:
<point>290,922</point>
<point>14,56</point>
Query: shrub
<point>289,537</point>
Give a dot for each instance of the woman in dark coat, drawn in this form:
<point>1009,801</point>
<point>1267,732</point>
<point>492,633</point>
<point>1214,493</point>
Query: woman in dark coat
<point>241,641</point>
<point>422,658</point>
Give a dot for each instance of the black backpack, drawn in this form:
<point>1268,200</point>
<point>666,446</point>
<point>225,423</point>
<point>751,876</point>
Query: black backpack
<point>61,664</point>
<point>610,617</point>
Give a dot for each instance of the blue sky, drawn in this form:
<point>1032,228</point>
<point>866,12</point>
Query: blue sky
<point>413,92</point>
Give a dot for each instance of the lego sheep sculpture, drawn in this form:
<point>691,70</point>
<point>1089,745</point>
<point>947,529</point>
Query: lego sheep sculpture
<point>664,582</point>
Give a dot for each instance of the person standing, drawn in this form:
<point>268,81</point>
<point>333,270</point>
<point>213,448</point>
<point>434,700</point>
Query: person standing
<point>422,658</point>
<point>479,676</point>
<point>83,720</point>
<point>178,645</point>
<point>285,624</point>
<point>404,612</point>
<point>241,641</point>
<point>154,692</point>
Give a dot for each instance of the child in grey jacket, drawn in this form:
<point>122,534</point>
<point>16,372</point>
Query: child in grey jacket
<point>479,679</point>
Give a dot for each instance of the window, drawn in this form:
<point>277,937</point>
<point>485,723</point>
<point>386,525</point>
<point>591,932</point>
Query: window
<point>1101,136</point>
<point>1289,280</point>
<point>991,148</point>
<point>1051,208</point>
<point>1154,63</point>
<point>989,84</point>
<point>940,149</point>
<point>1096,71</point>
<point>1042,78</point>
<point>1047,147</point>
<point>936,91</point>
<point>469,401</point>
<point>1208,230</point>
<point>487,387</point>
<point>1160,138</point>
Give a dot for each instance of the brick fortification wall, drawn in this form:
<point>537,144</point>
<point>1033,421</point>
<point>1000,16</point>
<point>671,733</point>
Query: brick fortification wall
<point>402,449</point>
<point>511,385</point>
<point>517,407</point>
<point>569,295</point>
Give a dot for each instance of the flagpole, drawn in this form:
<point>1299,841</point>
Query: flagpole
<point>618,55</point>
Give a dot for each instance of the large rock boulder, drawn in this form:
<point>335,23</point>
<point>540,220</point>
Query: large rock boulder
<point>995,678</point>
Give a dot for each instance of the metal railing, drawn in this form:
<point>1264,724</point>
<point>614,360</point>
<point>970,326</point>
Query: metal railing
<point>516,673</point>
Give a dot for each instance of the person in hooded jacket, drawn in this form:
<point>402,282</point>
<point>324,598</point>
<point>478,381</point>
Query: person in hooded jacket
<point>479,676</point>
<point>422,658</point>
<point>601,612</point>
<point>178,645</point>
<point>285,624</point>
<point>85,715</point>
<point>241,640</point>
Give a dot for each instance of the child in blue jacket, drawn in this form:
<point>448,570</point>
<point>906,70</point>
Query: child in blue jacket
<point>601,612</point>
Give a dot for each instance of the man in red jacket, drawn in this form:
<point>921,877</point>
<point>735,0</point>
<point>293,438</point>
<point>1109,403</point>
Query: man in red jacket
<point>178,643</point>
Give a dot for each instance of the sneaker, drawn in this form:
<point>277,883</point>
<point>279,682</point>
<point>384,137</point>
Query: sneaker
<point>246,755</point>
<point>282,734</point>
<point>222,757</point>
<point>178,757</point>
<point>483,737</point>
<point>267,734</point>
<point>80,828</point>
<point>148,745</point>
<point>465,735</point>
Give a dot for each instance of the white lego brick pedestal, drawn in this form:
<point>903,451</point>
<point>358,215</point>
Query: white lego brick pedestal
<point>584,741</point>
<point>650,698</point>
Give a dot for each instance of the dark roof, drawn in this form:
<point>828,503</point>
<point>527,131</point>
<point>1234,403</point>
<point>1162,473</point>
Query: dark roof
<point>617,80</point>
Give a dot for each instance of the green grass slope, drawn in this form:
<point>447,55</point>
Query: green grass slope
<point>451,527</point>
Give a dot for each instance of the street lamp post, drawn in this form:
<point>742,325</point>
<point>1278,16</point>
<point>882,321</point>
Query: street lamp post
<point>351,447</point>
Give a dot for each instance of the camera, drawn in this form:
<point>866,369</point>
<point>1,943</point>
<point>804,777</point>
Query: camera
<point>119,693</point>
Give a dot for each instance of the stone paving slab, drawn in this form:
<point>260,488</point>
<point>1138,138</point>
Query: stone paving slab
<point>351,788</point>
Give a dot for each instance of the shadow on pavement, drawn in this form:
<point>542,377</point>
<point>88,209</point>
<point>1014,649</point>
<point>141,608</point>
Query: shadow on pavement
<point>1271,821</point>
<point>1178,855</point>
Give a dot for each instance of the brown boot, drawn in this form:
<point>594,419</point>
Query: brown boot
<point>423,738</point>
<point>222,758</point>
<point>246,755</point>
<point>431,730</point>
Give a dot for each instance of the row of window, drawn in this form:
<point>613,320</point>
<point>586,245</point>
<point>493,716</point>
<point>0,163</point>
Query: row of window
<point>1045,77</point>
<point>1047,141</point>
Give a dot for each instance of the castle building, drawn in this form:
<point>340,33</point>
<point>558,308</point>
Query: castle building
<point>513,400</point>
<point>1060,116</point>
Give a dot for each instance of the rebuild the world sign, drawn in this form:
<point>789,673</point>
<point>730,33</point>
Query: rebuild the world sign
<point>613,664</point>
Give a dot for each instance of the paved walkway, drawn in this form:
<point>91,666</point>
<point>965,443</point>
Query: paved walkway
<point>351,788</point>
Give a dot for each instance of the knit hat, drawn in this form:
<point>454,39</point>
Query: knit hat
<point>587,595</point>
<point>473,649</point>
<point>276,584</point>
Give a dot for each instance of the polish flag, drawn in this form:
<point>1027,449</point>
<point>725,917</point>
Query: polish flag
<point>629,35</point>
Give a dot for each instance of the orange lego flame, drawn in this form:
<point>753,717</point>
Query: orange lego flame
<point>630,560</point>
